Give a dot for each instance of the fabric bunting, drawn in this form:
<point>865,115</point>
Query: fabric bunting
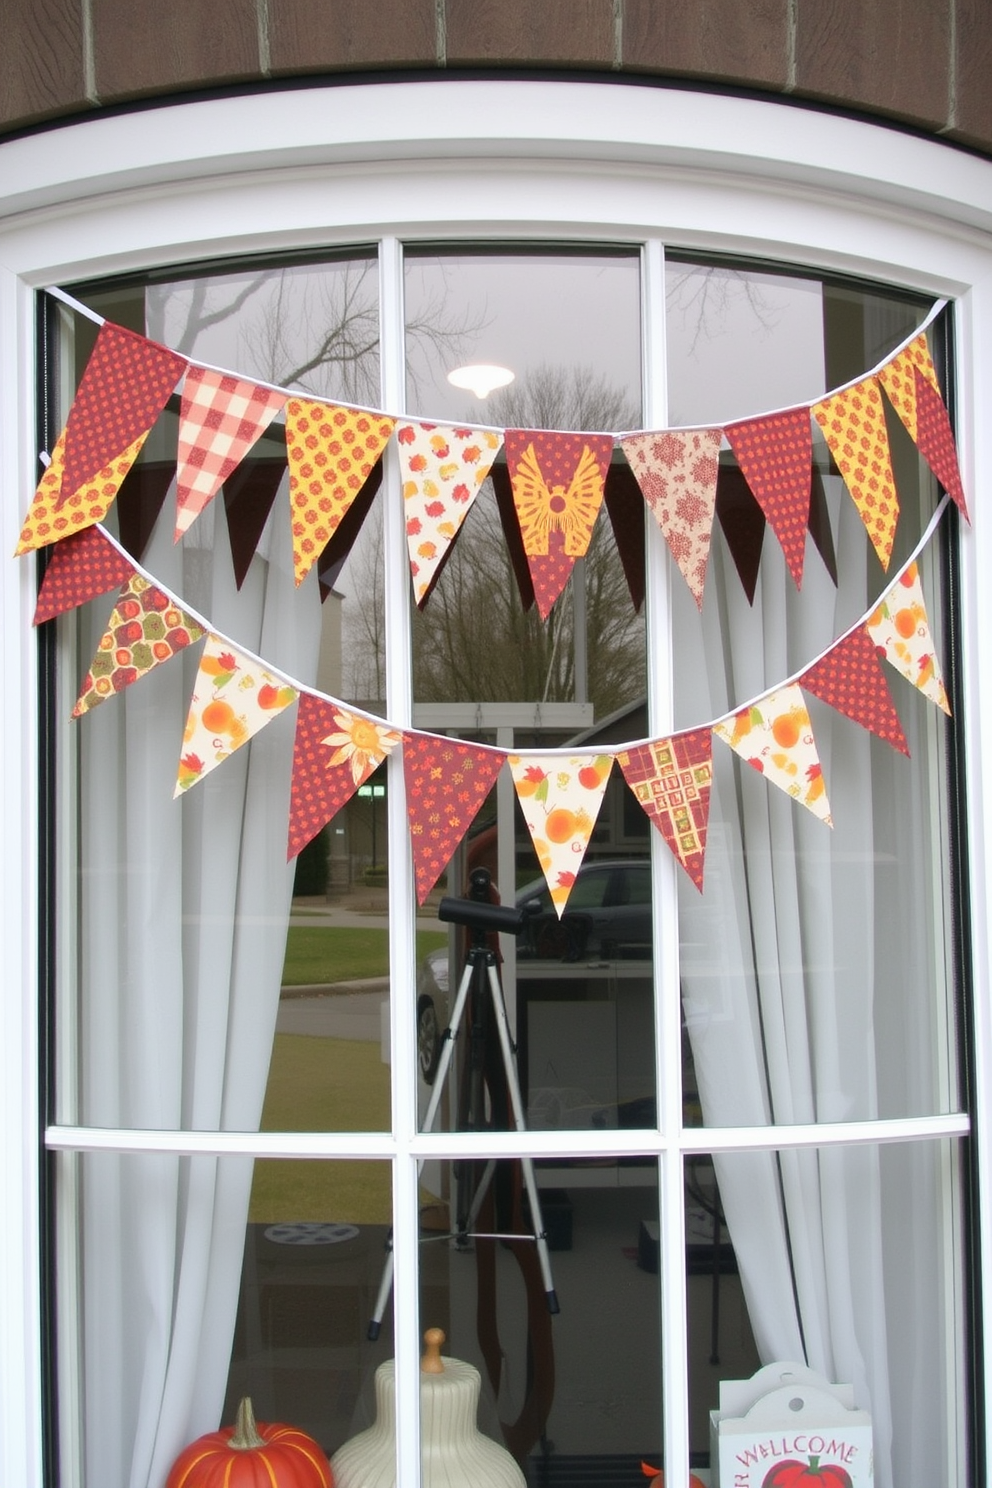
<point>145,628</point>
<point>853,424</point>
<point>851,680</point>
<point>234,697</point>
<point>446,784</point>
<point>560,796</point>
<point>83,566</point>
<point>671,781</point>
<point>775,454</point>
<point>557,482</point>
<point>442,469</point>
<point>122,392</point>
<point>335,751</point>
<point>220,419</point>
<point>677,472</point>
<point>910,380</point>
<point>775,736</point>
<point>900,628</point>
<point>331,451</point>
<point>48,522</point>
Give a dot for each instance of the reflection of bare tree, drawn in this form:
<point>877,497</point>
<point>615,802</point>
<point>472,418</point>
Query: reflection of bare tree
<point>474,641</point>
<point>702,296</point>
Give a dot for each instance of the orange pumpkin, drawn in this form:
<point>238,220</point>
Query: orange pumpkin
<point>657,1476</point>
<point>251,1455</point>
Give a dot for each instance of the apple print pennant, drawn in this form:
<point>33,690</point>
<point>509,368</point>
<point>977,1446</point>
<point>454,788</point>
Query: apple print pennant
<point>850,679</point>
<point>331,450</point>
<point>86,564</point>
<point>122,392</point>
<point>145,628</point>
<point>557,482</point>
<point>446,784</point>
<point>677,472</point>
<point>910,380</point>
<point>234,697</point>
<point>775,736</point>
<point>442,469</point>
<point>775,452</point>
<point>671,780</point>
<point>48,521</point>
<point>334,752</point>
<point>853,424</point>
<point>220,419</point>
<point>900,629</point>
<point>560,796</point>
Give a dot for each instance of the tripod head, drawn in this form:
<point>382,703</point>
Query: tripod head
<point>478,914</point>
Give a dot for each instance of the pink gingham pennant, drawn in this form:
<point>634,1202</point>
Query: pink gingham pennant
<point>220,420</point>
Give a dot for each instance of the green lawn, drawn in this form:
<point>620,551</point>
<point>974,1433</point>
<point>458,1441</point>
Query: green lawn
<point>324,953</point>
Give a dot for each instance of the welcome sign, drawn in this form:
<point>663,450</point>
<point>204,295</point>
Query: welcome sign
<point>787,1427</point>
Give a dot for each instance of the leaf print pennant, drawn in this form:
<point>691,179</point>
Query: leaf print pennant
<point>234,697</point>
<point>442,467</point>
<point>446,784</point>
<point>775,737</point>
<point>900,629</point>
<point>560,796</point>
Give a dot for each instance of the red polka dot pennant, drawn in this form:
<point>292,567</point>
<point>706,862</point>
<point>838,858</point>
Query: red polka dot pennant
<point>123,390</point>
<point>851,680</point>
<point>446,784</point>
<point>84,565</point>
<point>775,453</point>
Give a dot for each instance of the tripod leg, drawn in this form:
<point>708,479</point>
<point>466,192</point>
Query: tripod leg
<point>513,1085</point>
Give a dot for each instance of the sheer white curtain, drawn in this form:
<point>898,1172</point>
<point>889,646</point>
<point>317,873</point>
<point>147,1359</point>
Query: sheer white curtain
<point>183,913</point>
<point>809,995</point>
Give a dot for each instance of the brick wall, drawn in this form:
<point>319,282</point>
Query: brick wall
<point>927,63</point>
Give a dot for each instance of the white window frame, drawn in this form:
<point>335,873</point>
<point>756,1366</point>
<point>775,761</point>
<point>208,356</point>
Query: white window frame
<point>523,160</point>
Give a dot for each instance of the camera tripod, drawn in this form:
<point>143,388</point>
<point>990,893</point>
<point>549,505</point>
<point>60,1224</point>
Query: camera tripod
<point>480,988</point>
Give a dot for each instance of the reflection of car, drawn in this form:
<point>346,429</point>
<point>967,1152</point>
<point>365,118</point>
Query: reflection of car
<point>608,918</point>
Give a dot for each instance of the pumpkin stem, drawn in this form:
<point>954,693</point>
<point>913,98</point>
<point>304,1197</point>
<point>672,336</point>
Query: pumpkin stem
<point>814,1464</point>
<point>246,1437</point>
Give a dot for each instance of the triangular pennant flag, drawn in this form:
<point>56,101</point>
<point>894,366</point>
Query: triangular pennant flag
<point>850,679</point>
<point>48,522</point>
<point>249,493</point>
<point>331,451</point>
<point>334,752</point>
<point>442,469</point>
<point>910,380</point>
<point>234,697</point>
<point>146,628</point>
<point>560,796</point>
<point>671,779</point>
<point>557,482</point>
<point>503,492</point>
<point>83,566</point>
<point>446,783</point>
<point>677,472</point>
<point>853,424</point>
<point>122,392</point>
<point>220,419</point>
<point>775,453</point>
<point>900,629</point>
<point>775,736</point>
<point>625,507</point>
<point>743,526</point>
<point>139,502</point>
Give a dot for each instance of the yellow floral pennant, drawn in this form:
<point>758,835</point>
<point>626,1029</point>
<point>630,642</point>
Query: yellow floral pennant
<point>775,736</point>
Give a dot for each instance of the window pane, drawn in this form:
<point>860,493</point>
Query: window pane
<point>825,1246</point>
<point>558,1392</point>
<point>817,969</point>
<point>567,325</point>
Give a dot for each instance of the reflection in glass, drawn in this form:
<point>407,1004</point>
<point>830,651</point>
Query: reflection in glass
<point>825,1246</point>
<point>586,1381</point>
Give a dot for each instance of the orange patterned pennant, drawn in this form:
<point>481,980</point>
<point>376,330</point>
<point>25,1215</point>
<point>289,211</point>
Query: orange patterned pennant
<point>331,451</point>
<point>47,521</point>
<point>775,736</point>
<point>853,424</point>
